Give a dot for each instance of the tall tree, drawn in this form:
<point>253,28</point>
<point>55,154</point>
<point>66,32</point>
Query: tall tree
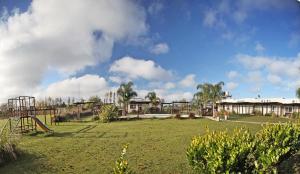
<point>298,93</point>
<point>153,99</point>
<point>125,93</point>
<point>210,93</point>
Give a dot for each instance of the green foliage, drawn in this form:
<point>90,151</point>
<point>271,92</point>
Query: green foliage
<point>219,152</point>
<point>209,93</point>
<point>125,93</point>
<point>257,112</point>
<point>121,166</point>
<point>275,142</point>
<point>295,115</point>
<point>108,113</point>
<point>8,143</point>
<point>153,98</point>
<point>95,118</point>
<point>298,93</point>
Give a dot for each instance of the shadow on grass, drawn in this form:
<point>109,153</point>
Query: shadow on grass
<point>27,163</point>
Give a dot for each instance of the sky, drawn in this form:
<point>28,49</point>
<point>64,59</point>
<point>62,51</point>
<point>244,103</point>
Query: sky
<point>75,48</point>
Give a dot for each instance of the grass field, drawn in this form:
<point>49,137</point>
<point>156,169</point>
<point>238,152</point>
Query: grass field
<point>155,146</point>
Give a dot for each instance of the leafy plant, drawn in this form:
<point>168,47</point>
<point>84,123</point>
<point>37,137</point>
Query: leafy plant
<point>125,93</point>
<point>275,142</point>
<point>108,113</point>
<point>192,115</point>
<point>219,152</point>
<point>8,142</point>
<point>257,112</point>
<point>121,166</point>
<point>95,118</point>
<point>295,115</point>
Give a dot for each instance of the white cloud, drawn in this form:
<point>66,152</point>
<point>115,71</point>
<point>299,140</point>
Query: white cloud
<point>294,39</point>
<point>170,85</point>
<point>210,18</point>
<point>81,87</point>
<point>160,48</point>
<point>231,86</point>
<point>255,77</point>
<point>232,74</point>
<point>289,67</point>
<point>274,79</point>
<point>188,81</point>
<point>139,68</point>
<point>64,36</point>
<point>116,79</point>
<point>283,72</point>
<point>259,47</point>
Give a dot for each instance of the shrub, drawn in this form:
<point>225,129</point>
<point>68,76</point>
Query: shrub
<point>295,115</point>
<point>8,143</point>
<point>257,112</point>
<point>95,118</point>
<point>219,152</point>
<point>275,142</point>
<point>232,113</point>
<point>121,166</point>
<point>273,114</point>
<point>177,116</point>
<point>108,113</point>
<point>192,115</point>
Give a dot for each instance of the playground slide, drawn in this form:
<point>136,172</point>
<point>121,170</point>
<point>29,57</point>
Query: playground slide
<point>41,125</point>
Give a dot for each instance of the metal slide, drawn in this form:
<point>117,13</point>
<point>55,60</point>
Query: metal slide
<point>41,125</point>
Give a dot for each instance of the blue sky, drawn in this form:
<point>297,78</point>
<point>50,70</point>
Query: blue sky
<point>253,46</point>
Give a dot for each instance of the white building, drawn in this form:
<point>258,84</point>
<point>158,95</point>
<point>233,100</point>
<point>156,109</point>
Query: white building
<point>278,106</point>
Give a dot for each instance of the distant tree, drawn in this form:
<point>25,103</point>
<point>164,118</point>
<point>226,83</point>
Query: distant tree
<point>298,93</point>
<point>125,93</point>
<point>153,99</point>
<point>95,100</point>
<point>69,101</point>
<point>210,93</point>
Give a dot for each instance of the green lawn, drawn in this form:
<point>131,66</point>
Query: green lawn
<point>155,146</point>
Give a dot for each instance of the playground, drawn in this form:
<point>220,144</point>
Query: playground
<point>157,142</point>
<point>88,146</point>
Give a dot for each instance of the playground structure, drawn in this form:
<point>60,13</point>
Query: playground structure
<point>176,107</point>
<point>23,115</point>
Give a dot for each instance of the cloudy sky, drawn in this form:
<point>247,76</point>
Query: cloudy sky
<point>82,48</point>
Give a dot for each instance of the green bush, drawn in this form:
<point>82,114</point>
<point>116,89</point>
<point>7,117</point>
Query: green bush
<point>274,143</point>
<point>295,115</point>
<point>8,143</point>
<point>121,166</point>
<point>257,112</point>
<point>108,113</point>
<point>95,118</point>
<point>220,152</point>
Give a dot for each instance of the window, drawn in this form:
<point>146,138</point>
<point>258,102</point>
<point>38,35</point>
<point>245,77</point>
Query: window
<point>288,109</point>
<point>273,108</point>
<point>132,106</point>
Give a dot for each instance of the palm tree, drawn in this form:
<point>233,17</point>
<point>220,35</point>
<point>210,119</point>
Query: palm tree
<point>210,93</point>
<point>153,99</point>
<point>125,93</point>
<point>298,93</point>
<point>217,94</point>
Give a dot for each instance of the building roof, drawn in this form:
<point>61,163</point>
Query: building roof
<point>139,100</point>
<point>262,100</point>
